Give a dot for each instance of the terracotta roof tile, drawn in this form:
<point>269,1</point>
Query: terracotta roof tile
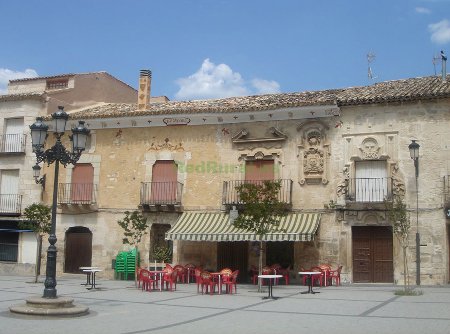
<point>389,91</point>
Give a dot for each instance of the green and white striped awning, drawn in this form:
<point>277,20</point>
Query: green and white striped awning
<point>195,226</point>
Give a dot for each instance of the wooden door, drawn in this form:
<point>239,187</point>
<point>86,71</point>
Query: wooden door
<point>372,254</point>
<point>259,170</point>
<point>164,182</point>
<point>78,249</point>
<point>233,255</point>
<point>82,184</point>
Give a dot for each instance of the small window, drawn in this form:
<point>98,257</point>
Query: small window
<point>57,84</point>
<point>9,242</point>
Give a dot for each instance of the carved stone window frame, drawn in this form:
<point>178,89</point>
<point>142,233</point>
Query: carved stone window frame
<point>313,152</point>
<point>371,147</point>
<point>262,154</point>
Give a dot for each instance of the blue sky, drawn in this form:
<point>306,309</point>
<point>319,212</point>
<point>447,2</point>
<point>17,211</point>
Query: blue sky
<point>219,48</point>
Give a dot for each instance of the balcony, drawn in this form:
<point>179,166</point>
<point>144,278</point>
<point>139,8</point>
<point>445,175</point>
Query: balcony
<point>12,144</point>
<point>77,193</point>
<point>369,190</point>
<point>158,196</point>
<point>231,196</point>
<point>10,204</point>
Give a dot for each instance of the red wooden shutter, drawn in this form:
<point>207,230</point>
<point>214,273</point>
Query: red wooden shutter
<point>164,182</point>
<point>259,170</point>
<point>82,183</point>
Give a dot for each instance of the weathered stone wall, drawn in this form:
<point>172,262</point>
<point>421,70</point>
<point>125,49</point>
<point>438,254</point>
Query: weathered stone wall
<point>206,157</point>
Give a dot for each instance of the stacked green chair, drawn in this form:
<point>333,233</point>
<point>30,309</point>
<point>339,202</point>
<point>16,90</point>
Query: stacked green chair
<point>132,258</point>
<point>126,264</point>
<point>120,266</point>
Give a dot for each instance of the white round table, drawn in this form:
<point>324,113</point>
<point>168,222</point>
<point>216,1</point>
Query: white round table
<point>310,281</point>
<point>270,278</point>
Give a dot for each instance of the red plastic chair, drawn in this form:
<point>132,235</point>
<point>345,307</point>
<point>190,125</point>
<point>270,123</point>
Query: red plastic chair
<point>181,273</point>
<point>325,268</point>
<point>285,273</point>
<point>190,272</point>
<point>316,279</point>
<point>138,275</point>
<point>254,274</point>
<point>198,277</point>
<point>232,282</point>
<point>169,278</point>
<point>208,282</point>
<point>336,275</point>
<point>226,275</point>
<point>147,281</point>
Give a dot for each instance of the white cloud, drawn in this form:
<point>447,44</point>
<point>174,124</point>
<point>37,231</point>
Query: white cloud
<point>440,32</point>
<point>219,81</point>
<point>423,10</point>
<point>6,75</point>
<point>265,86</point>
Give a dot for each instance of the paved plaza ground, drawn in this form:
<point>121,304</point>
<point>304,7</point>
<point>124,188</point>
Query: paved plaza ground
<point>119,308</point>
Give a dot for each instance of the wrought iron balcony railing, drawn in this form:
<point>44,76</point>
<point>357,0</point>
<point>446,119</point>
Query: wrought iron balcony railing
<point>12,143</point>
<point>77,193</point>
<point>10,204</point>
<point>161,193</point>
<point>369,189</point>
<point>231,196</point>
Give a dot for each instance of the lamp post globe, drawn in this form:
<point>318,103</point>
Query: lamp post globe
<point>38,134</point>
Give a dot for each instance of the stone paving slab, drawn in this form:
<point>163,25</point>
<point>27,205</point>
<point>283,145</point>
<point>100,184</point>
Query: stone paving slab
<point>120,308</point>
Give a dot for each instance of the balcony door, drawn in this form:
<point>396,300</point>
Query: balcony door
<point>12,142</point>
<point>82,184</point>
<point>259,170</point>
<point>370,181</point>
<point>9,190</point>
<point>164,182</point>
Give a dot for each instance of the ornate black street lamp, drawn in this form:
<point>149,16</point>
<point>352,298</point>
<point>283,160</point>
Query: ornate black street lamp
<point>414,153</point>
<point>56,154</point>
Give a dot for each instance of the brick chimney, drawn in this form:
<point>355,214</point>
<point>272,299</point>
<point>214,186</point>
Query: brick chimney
<point>145,82</point>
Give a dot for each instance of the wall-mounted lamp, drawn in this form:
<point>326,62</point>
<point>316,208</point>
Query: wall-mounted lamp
<point>36,175</point>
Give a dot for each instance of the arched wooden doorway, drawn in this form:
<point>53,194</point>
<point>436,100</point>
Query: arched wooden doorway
<point>78,249</point>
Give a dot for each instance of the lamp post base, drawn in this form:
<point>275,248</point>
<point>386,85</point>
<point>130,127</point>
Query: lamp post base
<point>417,259</point>
<point>60,306</point>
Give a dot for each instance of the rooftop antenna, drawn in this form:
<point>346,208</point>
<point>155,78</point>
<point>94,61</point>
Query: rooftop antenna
<point>436,60</point>
<point>444,66</point>
<point>370,58</point>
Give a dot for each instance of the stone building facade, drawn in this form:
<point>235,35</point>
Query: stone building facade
<point>25,100</point>
<point>340,154</point>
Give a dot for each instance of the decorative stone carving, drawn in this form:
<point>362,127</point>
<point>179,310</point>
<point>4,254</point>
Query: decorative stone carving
<point>314,152</point>
<point>398,185</point>
<point>342,187</point>
<point>243,140</point>
<point>370,149</point>
<point>166,146</point>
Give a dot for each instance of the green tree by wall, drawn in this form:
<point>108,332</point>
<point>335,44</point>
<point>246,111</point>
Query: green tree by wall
<point>39,221</point>
<point>261,212</point>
